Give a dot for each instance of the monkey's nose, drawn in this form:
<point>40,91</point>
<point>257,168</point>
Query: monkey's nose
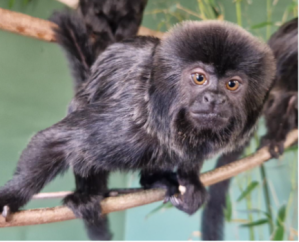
<point>213,98</point>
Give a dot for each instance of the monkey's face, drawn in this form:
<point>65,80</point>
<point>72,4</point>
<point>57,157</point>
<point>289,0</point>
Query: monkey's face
<point>210,82</point>
<point>210,101</point>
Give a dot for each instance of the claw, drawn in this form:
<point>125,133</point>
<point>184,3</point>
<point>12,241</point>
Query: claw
<point>182,189</point>
<point>6,212</point>
<point>175,200</point>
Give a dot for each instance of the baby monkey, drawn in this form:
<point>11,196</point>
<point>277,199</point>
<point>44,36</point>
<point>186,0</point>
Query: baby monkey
<point>281,109</point>
<point>152,105</point>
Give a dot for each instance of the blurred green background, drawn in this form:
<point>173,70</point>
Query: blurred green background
<point>36,86</point>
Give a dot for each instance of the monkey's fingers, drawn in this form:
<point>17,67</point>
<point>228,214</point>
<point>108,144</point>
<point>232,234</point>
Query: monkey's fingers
<point>176,200</point>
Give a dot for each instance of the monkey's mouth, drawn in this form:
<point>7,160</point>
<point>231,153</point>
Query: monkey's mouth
<point>209,120</point>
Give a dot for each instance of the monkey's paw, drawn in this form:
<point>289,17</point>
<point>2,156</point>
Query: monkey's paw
<point>191,198</point>
<point>9,203</point>
<point>84,206</point>
<point>167,180</point>
<point>276,148</point>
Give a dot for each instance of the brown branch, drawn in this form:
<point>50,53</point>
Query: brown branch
<point>41,29</point>
<point>112,204</point>
<point>50,195</point>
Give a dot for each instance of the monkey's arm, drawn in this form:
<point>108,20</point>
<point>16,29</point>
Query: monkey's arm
<point>194,194</point>
<point>49,152</point>
<point>39,163</point>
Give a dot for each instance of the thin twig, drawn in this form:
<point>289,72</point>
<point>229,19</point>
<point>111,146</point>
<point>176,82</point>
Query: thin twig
<point>112,204</point>
<point>42,29</point>
<point>50,195</point>
<point>70,3</point>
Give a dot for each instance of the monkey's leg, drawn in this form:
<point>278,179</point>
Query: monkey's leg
<point>279,128</point>
<point>39,163</point>
<point>85,203</point>
<point>213,214</point>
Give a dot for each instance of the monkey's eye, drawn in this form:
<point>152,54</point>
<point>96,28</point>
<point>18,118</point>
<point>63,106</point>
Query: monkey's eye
<point>232,85</point>
<point>199,78</point>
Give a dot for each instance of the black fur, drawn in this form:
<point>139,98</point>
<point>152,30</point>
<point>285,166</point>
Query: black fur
<point>141,110</point>
<point>83,37</point>
<point>110,21</point>
<point>280,111</point>
<point>98,24</point>
<point>72,35</point>
<point>213,213</point>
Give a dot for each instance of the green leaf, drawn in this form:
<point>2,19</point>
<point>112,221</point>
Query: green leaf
<point>160,208</point>
<point>279,231</point>
<point>261,25</point>
<point>278,234</point>
<point>281,215</point>
<point>248,190</point>
<point>256,223</point>
<point>228,208</point>
<point>293,148</point>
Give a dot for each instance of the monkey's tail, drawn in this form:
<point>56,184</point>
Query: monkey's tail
<point>213,215</point>
<point>71,34</point>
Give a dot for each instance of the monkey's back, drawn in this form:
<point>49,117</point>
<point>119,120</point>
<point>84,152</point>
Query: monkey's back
<point>116,76</point>
<point>116,97</point>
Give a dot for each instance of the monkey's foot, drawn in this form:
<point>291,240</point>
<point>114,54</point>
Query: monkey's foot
<point>276,148</point>
<point>84,206</point>
<point>191,198</point>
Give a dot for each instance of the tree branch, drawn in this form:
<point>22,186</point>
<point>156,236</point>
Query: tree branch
<point>113,204</point>
<point>26,25</point>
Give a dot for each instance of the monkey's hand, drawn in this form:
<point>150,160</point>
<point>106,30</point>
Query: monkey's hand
<point>190,198</point>
<point>10,200</point>
<point>276,147</point>
<point>160,179</point>
<point>84,206</point>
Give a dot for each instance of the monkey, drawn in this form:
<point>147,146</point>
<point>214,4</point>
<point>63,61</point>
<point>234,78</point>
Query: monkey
<point>154,106</point>
<point>280,112</point>
<point>106,22</point>
<point>281,108</point>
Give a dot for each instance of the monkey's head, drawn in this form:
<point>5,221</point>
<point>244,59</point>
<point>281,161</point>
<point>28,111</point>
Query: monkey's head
<point>209,83</point>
